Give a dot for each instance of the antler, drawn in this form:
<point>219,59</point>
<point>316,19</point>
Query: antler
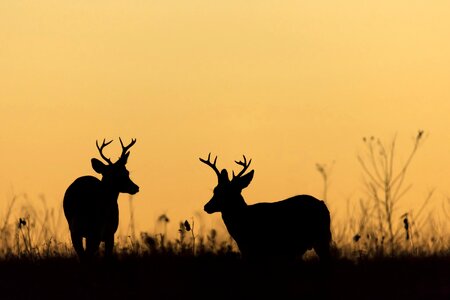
<point>211,164</point>
<point>100,149</point>
<point>126,148</point>
<point>243,164</point>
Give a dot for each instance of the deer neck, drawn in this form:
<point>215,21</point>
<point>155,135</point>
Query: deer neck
<point>235,218</point>
<point>236,208</point>
<point>110,192</point>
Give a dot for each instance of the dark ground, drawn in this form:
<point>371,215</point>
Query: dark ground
<point>212,277</point>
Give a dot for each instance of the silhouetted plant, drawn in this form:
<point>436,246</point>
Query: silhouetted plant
<point>163,219</point>
<point>5,231</point>
<point>24,237</point>
<point>150,242</point>
<point>181,238</point>
<point>190,229</point>
<point>131,223</point>
<point>325,172</point>
<point>212,239</point>
<point>384,183</point>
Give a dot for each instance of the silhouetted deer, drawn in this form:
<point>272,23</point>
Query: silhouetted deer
<point>283,229</point>
<point>90,205</point>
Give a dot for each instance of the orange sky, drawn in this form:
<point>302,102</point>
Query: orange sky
<point>288,84</point>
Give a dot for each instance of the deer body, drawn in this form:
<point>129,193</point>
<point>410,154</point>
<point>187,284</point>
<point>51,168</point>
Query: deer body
<point>283,229</point>
<point>91,208</point>
<point>90,205</point>
<point>280,229</point>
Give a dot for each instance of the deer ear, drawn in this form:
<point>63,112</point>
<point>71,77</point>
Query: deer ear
<point>98,166</point>
<point>245,180</point>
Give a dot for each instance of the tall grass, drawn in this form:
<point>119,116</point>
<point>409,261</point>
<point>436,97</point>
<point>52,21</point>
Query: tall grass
<point>34,236</point>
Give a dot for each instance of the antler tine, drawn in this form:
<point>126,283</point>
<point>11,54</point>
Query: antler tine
<point>100,149</point>
<point>245,166</point>
<point>211,164</point>
<point>126,148</point>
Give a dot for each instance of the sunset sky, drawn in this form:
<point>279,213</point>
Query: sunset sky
<point>288,83</point>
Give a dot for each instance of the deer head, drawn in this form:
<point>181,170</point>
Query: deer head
<point>227,193</point>
<point>115,175</point>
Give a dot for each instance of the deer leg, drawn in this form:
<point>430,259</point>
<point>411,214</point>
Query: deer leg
<point>92,244</point>
<point>77,242</point>
<point>109,246</point>
<point>322,249</point>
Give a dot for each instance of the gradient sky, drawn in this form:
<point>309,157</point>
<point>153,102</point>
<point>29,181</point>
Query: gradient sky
<point>288,83</point>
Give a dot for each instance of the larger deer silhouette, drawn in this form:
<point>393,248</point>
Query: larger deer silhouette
<point>90,205</point>
<point>283,229</point>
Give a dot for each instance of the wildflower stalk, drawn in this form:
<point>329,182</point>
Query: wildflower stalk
<point>385,187</point>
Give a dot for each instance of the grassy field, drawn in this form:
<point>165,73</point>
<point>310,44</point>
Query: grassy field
<point>35,265</point>
<point>223,276</point>
<point>197,267</point>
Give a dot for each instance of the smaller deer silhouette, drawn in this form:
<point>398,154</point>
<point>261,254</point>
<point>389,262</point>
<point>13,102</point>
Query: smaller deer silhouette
<point>282,230</point>
<point>90,205</point>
